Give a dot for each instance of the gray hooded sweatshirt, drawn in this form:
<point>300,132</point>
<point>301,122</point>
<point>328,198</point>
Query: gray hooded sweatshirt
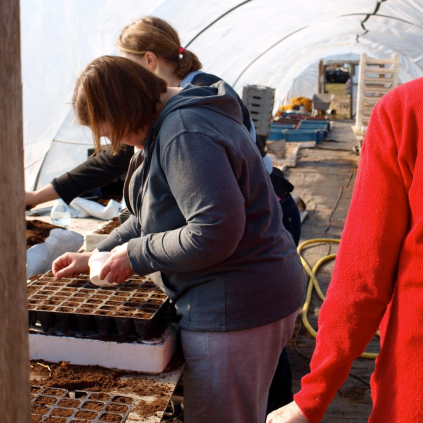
<point>206,217</point>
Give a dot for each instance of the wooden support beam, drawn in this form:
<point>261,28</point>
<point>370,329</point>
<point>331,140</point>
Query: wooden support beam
<point>14,353</point>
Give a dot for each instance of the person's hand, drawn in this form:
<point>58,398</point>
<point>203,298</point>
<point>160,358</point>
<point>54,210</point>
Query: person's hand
<point>122,247</point>
<point>117,268</point>
<point>70,265</point>
<point>291,413</point>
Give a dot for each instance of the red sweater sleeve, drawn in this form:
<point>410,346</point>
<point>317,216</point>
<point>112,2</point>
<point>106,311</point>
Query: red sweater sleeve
<point>365,269</point>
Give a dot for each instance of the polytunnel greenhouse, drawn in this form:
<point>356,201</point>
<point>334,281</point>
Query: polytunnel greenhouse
<point>223,211</point>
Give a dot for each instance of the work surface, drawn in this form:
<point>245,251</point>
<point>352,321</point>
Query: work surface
<point>147,395</point>
<point>82,226</point>
<point>324,178</point>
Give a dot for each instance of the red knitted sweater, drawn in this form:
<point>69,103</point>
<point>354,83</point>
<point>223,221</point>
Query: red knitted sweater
<point>378,275</point>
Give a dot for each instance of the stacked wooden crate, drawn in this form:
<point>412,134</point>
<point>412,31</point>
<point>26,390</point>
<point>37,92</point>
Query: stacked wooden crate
<point>376,78</point>
<point>259,101</point>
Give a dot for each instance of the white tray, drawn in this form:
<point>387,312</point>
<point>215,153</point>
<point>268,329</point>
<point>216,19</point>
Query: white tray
<point>143,357</point>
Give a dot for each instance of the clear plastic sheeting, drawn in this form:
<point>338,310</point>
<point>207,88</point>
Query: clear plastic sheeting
<point>268,42</point>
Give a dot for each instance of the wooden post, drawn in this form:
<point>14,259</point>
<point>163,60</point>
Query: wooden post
<point>14,350</point>
<point>360,93</point>
<point>321,78</point>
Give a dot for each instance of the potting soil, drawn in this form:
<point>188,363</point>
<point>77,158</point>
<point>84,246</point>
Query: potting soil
<point>37,231</point>
<point>119,389</point>
<point>55,405</point>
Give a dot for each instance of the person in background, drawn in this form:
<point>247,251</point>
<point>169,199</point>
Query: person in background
<point>377,281</point>
<point>204,216</point>
<point>155,45</point>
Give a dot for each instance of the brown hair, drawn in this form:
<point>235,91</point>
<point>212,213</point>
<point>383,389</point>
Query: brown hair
<point>156,35</point>
<point>117,91</point>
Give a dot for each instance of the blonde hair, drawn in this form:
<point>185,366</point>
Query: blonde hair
<point>156,35</point>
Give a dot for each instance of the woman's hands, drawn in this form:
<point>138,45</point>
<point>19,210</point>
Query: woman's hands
<point>70,265</point>
<point>117,268</point>
<point>291,413</point>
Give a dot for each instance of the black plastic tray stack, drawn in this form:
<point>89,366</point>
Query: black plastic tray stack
<point>54,405</point>
<point>77,307</point>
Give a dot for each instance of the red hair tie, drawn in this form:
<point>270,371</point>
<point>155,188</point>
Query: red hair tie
<point>181,50</point>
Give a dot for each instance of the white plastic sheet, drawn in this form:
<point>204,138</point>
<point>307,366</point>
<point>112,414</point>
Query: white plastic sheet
<point>40,257</point>
<point>81,207</point>
<point>268,42</point>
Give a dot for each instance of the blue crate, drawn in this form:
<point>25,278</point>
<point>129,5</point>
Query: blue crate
<point>276,131</point>
<point>319,126</point>
<point>298,135</point>
<point>313,124</point>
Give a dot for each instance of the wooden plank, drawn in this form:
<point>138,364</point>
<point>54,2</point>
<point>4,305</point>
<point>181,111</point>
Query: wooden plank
<point>387,71</point>
<point>14,350</point>
<point>376,90</point>
<point>368,80</point>
<point>370,101</point>
<point>379,61</point>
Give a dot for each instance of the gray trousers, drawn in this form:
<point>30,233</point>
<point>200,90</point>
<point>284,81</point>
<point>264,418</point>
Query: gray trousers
<point>228,374</point>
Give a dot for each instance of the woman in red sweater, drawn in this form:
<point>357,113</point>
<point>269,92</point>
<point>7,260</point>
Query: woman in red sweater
<point>378,276</point>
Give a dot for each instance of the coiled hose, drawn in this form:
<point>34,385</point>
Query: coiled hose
<point>314,283</point>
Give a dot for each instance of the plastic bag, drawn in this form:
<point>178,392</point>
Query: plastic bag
<point>40,257</point>
<point>81,207</point>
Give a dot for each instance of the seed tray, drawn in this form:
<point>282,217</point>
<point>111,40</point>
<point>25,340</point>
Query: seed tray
<point>75,305</point>
<point>54,405</point>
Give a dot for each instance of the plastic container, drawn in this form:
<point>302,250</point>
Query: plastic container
<point>315,125</point>
<point>298,135</point>
<point>96,262</point>
<point>60,214</point>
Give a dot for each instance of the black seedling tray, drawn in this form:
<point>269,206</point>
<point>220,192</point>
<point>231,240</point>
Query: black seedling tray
<point>76,305</point>
<point>54,405</point>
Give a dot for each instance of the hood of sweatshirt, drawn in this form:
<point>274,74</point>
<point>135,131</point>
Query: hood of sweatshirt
<point>219,97</point>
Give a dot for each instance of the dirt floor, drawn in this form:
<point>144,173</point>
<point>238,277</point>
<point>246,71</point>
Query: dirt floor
<point>324,178</point>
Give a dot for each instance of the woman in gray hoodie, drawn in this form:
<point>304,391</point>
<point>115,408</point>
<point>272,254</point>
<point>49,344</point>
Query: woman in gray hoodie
<point>204,216</point>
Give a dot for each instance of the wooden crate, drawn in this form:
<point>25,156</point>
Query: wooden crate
<point>376,78</point>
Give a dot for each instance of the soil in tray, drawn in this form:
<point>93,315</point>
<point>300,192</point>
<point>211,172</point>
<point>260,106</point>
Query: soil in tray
<point>91,405</point>
<point>108,227</point>
<point>70,403</point>
<point>94,378</point>
<point>87,415</point>
<point>116,408</point>
<point>110,418</point>
<point>37,231</point>
<point>62,412</point>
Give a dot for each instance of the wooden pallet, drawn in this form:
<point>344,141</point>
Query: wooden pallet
<point>376,78</point>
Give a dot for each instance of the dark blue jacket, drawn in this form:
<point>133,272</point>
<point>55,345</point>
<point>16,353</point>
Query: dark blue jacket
<point>206,218</point>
